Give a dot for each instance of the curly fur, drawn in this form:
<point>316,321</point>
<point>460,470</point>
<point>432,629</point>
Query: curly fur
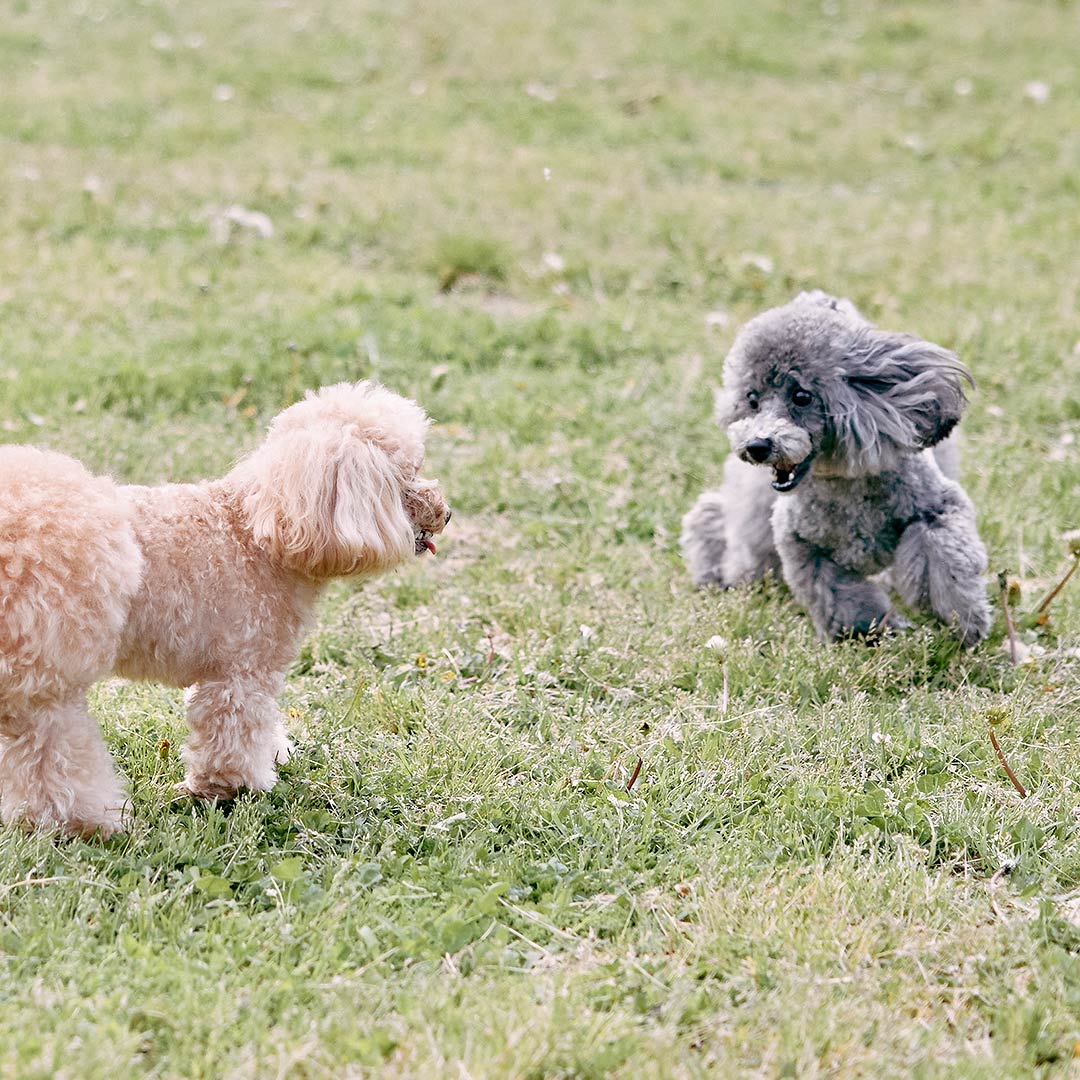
<point>831,478</point>
<point>207,586</point>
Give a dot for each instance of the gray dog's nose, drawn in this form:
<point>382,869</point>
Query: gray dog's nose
<point>758,449</point>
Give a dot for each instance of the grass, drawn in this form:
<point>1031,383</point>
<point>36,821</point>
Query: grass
<point>546,222</point>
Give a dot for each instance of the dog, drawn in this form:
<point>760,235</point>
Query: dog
<point>206,586</point>
<point>831,480</point>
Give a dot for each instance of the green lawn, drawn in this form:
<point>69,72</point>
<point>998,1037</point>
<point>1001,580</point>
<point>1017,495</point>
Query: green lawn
<point>545,221</point>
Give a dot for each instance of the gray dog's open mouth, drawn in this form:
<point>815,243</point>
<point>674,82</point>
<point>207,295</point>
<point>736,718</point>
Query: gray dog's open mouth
<point>787,477</point>
<point>423,543</point>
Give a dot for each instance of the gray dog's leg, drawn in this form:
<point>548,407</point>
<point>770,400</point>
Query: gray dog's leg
<point>939,567</point>
<point>727,536</point>
<point>703,539</point>
<point>947,456</point>
<point>750,500</point>
<point>840,603</point>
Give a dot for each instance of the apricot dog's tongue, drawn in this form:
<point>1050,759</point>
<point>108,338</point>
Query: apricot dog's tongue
<point>429,545</point>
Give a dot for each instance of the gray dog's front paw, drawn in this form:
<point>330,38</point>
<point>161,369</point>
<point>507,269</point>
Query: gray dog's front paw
<point>976,624</point>
<point>863,618</point>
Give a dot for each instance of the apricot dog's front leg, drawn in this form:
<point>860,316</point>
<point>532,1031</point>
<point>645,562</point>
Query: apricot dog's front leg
<point>55,771</point>
<point>237,737</point>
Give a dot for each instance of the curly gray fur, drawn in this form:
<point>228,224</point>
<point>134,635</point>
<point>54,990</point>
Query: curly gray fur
<point>831,479</point>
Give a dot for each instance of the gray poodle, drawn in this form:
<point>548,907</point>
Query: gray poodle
<point>829,479</point>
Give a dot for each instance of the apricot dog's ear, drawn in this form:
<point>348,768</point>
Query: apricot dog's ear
<point>324,492</point>
<point>327,503</point>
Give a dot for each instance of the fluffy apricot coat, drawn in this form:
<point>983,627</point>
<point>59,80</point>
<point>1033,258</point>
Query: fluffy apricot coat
<point>205,586</point>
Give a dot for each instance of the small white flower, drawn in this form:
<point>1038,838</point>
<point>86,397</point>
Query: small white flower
<point>759,262</point>
<point>541,91</point>
<point>239,217</point>
<point>1037,91</point>
<point>1020,649</point>
<point>223,92</point>
<point>716,643</point>
<point>586,632</point>
<point>963,87</point>
<point>554,261</point>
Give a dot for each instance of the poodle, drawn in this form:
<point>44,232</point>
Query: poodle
<point>206,586</point>
<point>830,480</point>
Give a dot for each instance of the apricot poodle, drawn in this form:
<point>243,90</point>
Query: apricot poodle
<point>208,586</point>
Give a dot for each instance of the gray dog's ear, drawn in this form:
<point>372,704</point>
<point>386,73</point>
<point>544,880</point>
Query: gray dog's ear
<point>896,393</point>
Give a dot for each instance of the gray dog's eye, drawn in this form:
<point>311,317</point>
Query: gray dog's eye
<point>752,401</point>
<point>801,398</point>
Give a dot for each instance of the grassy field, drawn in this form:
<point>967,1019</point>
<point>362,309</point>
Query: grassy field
<point>545,221</point>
